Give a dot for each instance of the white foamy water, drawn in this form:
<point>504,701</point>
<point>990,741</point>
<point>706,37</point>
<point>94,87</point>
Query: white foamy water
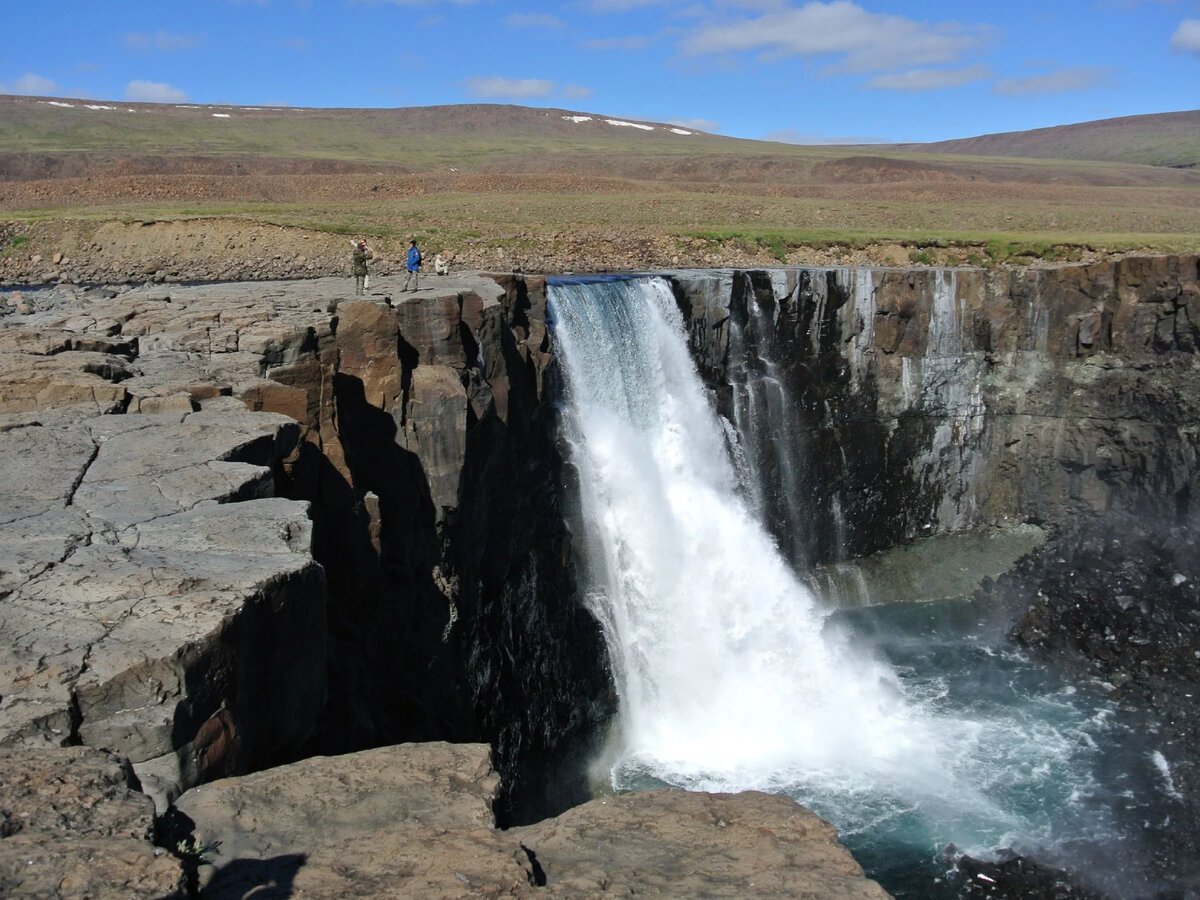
<point>727,674</point>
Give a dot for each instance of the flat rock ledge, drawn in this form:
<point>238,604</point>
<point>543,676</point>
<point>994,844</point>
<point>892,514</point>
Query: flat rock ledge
<point>148,576</point>
<point>72,826</point>
<point>157,597</point>
<point>415,820</point>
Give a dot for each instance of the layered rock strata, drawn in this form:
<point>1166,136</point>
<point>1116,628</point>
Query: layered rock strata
<point>247,523</point>
<point>906,403</point>
<point>157,599</point>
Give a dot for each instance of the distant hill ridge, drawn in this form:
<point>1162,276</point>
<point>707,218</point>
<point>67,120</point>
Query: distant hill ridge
<point>1162,139</point>
<point>56,138</point>
<point>43,123</point>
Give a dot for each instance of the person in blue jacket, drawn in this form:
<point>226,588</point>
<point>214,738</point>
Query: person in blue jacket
<point>413,264</point>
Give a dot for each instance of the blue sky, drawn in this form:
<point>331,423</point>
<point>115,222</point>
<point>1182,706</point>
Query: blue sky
<point>782,69</point>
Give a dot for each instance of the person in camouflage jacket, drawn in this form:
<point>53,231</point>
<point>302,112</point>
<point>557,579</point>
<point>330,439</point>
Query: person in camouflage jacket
<point>358,262</point>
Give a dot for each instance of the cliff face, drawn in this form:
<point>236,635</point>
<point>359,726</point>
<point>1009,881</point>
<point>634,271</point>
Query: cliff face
<point>883,409</point>
<point>248,523</point>
<point>909,403</point>
<point>278,521</point>
<point>156,599</point>
<point>535,658</point>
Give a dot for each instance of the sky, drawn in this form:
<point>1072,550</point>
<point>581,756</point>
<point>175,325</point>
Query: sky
<point>806,71</point>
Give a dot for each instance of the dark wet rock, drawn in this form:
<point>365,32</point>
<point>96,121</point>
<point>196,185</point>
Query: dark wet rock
<point>1116,604</point>
<point>1012,877</point>
<point>543,703</point>
<point>1117,601</point>
<point>903,403</point>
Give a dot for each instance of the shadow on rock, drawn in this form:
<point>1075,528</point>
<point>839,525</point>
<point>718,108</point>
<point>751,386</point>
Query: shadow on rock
<point>392,679</point>
<point>265,879</point>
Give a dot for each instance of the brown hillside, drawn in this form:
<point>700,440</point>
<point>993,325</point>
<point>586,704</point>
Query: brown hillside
<point>1164,139</point>
<point>566,189</point>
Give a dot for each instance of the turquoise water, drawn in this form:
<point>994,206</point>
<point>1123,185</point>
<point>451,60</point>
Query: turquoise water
<point>1057,762</point>
<point>1052,771</point>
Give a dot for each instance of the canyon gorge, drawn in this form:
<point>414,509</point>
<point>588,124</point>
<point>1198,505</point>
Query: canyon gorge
<point>276,555</point>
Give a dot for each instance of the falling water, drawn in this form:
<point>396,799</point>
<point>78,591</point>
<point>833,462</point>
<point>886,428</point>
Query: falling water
<point>729,675</point>
<point>768,428</point>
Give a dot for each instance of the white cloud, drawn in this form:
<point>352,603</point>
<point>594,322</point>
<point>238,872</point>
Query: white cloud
<point>533,20</point>
<point>153,92</point>
<point>696,124</point>
<point>929,79</point>
<point>576,92</point>
<point>633,42</point>
<point>497,87</point>
<point>792,136</point>
<point>165,41</point>
<point>1080,78</point>
<point>866,41</point>
<point>1186,38</point>
<point>30,85</point>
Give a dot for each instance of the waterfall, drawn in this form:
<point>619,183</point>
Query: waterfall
<point>728,673</point>
<point>767,424</point>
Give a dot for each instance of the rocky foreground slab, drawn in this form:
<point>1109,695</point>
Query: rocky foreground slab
<point>416,821</point>
<point>407,821</point>
<point>71,826</point>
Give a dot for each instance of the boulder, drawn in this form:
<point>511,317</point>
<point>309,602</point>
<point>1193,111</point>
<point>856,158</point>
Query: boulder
<point>85,381</point>
<point>73,825</point>
<point>416,821</point>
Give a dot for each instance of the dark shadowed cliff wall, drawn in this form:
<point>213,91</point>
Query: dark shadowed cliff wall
<point>433,465</point>
<point>895,404</point>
